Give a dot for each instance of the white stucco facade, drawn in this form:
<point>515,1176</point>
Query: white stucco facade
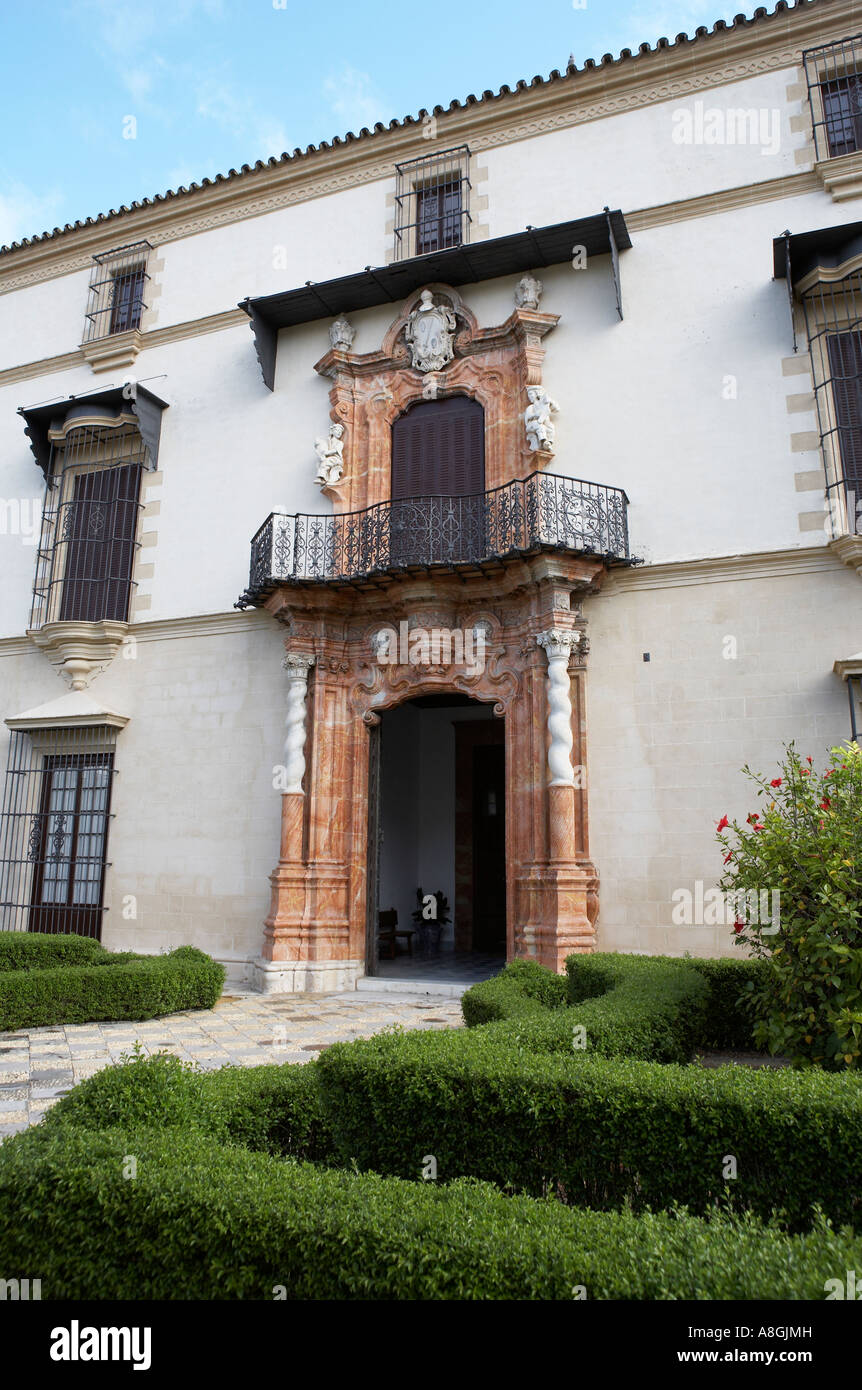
<point>695,404</point>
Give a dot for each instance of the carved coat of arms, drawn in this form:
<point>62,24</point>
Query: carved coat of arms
<point>430,334</point>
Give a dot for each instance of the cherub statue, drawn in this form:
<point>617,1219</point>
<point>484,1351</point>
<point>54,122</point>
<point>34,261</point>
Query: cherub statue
<point>528,292</point>
<point>330,453</point>
<point>537,418</point>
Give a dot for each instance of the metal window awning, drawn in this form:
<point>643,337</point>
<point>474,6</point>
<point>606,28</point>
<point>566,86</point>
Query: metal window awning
<point>794,256</point>
<point>108,405</point>
<point>604,234</point>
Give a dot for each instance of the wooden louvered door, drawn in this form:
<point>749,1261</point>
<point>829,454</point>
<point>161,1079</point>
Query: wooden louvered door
<point>438,483</point>
<point>845,369</point>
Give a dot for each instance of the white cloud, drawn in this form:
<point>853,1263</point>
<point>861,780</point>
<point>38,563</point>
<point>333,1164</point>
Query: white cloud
<point>353,98</point>
<point>24,213</point>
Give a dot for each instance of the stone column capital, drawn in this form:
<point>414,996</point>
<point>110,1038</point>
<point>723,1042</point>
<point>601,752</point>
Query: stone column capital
<point>297,665</point>
<point>558,642</point>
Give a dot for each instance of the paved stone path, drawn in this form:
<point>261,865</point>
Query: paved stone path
<point>39,1065</point>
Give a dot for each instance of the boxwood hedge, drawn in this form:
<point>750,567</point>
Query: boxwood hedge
<point>529,1103</point>
<point>196,1219</point>
<point>74,980</point>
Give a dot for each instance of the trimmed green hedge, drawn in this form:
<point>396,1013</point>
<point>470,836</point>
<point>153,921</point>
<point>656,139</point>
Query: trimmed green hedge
<point>729,1019</point>
<point>599,1118</point>
<point>119,987</point>
<point>30,950</point>
<point>628,1006</point>
<point>270,1109</point>
<point>199,1220</point>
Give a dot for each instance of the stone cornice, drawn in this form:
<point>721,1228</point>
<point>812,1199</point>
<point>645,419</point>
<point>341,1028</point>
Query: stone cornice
<point>723,569</point>
<point>167,629</point>
<point>770,43</point>
<point>155,337</point>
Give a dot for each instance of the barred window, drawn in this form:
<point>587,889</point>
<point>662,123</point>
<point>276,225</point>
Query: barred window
<point>54,829</point>
<point>432,202</point>
<point>117,291</point>
<point>89,537</point>
<point>834,76</point>
<point>833,318</point>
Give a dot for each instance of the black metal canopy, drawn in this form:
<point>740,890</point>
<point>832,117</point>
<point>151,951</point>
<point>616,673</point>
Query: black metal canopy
<point>796,255</point>
<point>130,399</point>
<point>603,234</point>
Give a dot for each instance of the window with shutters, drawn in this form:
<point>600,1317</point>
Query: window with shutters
<point>90,522</point>
<point>834,76</point>
<point>432,201</point>
<point>438,482</point>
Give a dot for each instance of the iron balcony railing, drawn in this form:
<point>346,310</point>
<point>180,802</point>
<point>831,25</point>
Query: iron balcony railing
<point>543,511</point>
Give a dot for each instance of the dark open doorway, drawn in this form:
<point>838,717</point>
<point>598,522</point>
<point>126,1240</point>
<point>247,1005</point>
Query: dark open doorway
<point>437,823</point>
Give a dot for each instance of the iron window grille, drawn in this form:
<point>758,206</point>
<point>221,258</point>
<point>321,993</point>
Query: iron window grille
<point>432,203</point>
<point>89,536</point>
<point>833,320</point>
<point>54,829</point>
<point>117,291</point>
<point>833,73</point>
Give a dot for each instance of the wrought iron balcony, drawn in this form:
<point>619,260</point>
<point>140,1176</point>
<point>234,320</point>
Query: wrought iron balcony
<point>542,512</point>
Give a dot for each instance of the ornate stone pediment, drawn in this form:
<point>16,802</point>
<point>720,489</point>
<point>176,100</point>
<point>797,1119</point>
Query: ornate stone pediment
<point>451,355</point>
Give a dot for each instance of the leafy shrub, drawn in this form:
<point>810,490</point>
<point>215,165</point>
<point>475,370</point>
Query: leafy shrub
<point>806,846</point>
<point>205,1221</point>
<point>136,988</point>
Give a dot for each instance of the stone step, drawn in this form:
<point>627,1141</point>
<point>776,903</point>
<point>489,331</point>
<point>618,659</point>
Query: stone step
<point>445,989</point>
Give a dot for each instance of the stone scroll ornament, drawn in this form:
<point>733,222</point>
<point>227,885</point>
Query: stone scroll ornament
<point>297,666</point>
<point>330,456</point>
<point>558,645</point>
<point>430,334</point>
<point>537,419</point>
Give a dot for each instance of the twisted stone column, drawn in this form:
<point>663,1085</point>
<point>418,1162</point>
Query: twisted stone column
<point>297,666</point>
<point>558,645</point>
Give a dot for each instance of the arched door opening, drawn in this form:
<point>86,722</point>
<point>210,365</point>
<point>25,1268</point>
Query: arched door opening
<point>437,821</point>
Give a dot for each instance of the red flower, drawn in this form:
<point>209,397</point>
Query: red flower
<point>825,804</point>
<point>808,760</point>
<point>723,823</point>
<point>803,772</point>
<point>829,773</point>
<point>760,827</point>
<point>738,927</point>
<point>752,818</point>
<point>728,857</point>
<point>776,782</point>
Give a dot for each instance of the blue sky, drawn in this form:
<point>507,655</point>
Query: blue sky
<point>212,84</point>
